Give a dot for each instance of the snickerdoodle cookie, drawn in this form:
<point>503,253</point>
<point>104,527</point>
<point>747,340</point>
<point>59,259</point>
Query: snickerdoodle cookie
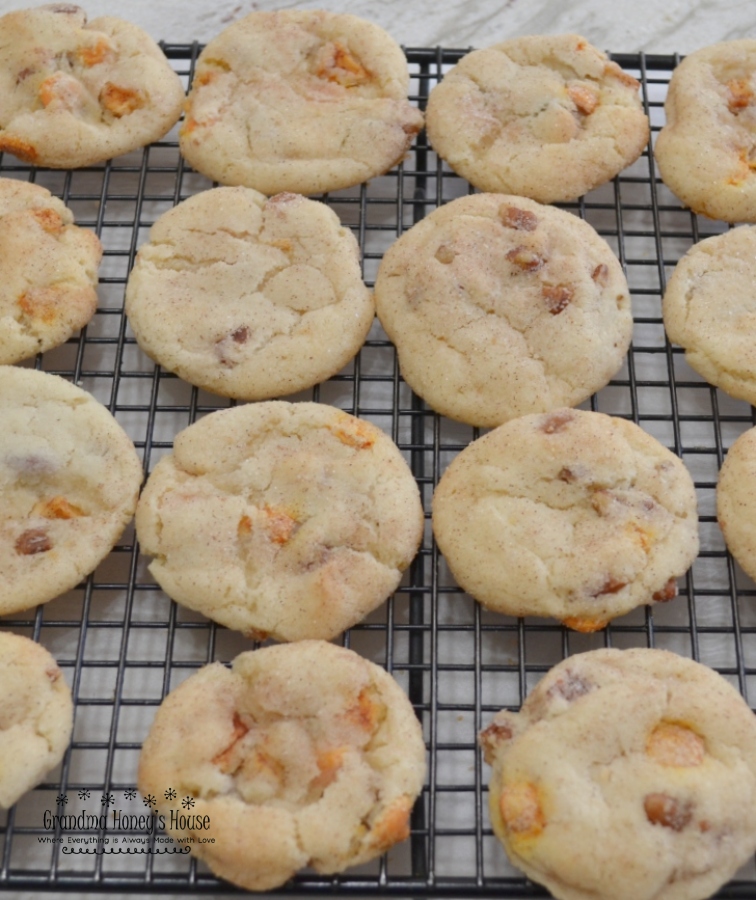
<point>628,775</point>
<point>545,116</point>
<point>571,514</point>
<point>293,520</point>
<point>305,754</point>
<point>299,100</point>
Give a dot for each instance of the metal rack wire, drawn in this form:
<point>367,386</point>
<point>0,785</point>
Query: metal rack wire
<point>122,644</point>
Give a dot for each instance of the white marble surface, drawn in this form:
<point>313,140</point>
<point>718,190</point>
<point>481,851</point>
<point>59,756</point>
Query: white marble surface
<point>627,25</point>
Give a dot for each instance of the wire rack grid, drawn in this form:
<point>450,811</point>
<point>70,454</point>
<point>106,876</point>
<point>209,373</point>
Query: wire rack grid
<point>122,644</point>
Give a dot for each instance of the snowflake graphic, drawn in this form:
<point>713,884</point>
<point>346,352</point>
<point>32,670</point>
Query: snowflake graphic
<point>170,794</point>
<point>149,800</point>
<point>61,798</point>
<point>107,799</point>
<point>83,794</point>
<point>187,802</point>
<point>130,794</point>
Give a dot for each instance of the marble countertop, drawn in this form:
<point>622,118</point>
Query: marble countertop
<point>675,25</point>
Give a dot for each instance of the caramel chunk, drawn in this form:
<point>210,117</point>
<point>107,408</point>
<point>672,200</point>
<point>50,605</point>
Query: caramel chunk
<point>664,810</point>
<point>329,762</point>
<point>668,592</point>
<point>48,220</point>
<point>527,260</point>
<point>557,296</point>
<point>671,744</point>
<point>567,475</point>
<point>611,68</point>
<point>94,53</point>
<point>521,810</point>
<point>557,421</point>
<point>357,434</point>
<point>521,219</point>
<point>41,303</point>
<point>281,526</point>
<point>58,508</point>
<point>740,93</point>
<point>393,826</point>
<point>32,541</point>
<point>601,274</point>
<point>22,149</point>
<point>344,68</point>
<point>492,736</point>
<point>583,97</point>
<point>225,759</point>
<point>584,624</point>
<point>366,713</point>
<point>445,254</point>
<point>241,335</point>
<point>610,586</point>
<point>120,101</point>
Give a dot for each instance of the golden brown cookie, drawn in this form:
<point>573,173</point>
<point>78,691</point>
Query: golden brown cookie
<point>306,754</point>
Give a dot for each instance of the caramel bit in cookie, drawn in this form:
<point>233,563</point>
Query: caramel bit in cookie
<point>93,54</point>
<point>740,94</point>
<point>668,592</point>
<point>571,686</point>
<point>567,475</point>
<point>41,303</point>
<point>244,526</point>
<point>613,70</point>
<point>356,434</point>
<point>557,296</point>
<point>671,744</point>
<point>48,220</point>
<point>284,245</point>
<point>492,736</point>
<point>53,673</point>
<point>255,634</point>
<point>601,274</point>
<point>527,260</point>
<point>584,624</point>
<point>120,101</point>
<point>224,759</point>
<point>367,713</point>
<point>521,810</point>
<point>22,149</point>
<point>521,219</point>
<point>64,91</point>
<point>664,810</point>
<point>610,586</point>
<point>280,525</point>
<point>343,67</point>
<point>329,763</point>
<point>224,348</point>
<point>32,541</point>
<point>445,254</point>
<point>241,335</point>
<point>58,508</point>
<point>557,421</point>
<point>583,97</point>
<point>393,826</point>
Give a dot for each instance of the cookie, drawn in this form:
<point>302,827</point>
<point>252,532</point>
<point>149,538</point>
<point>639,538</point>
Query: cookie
<point>36,716</point>
<point>705,152</point>
<point>74,93</point>
<point>308,755</point>
<point>284,520</point>
<point>544,116</point>
<point>69,479</point>
<point>248,297</point>
<point>299,100</point>
<point>736,501</point>
<point>628,775</point>
<point>571,514</point>
<point>710,309</point>
<point>50,267</point>
<point>499,307</point>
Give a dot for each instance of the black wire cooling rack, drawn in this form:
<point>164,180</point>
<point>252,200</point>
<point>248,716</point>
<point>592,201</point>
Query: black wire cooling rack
<point>122,644</point>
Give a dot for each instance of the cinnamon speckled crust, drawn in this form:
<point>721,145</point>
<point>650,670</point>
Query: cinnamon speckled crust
<point>69,480</point>
<point>248,297</point>
<point>628,775</point>
<point>736,500</point>
<point>545,116</point>
<point>49,285</point>
<point>571,514</point>
<point>705,152</point>
<point>36,716</point>
<point>307,754</point>
<point>500,307</point>
<point>288,520</point>
<point>74,93</point>
<point>710,310</point>
<point>299,100</point>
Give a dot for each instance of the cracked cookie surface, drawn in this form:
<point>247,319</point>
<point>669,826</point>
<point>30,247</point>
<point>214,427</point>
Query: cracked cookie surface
<point>627,775</point>
<point>69,479</point>
<point>50,293</point>
<point>249,297</point>
<point>304,101</point>
<point>706,152</point>
<point>308,754</point>
<point>736,501</point>
<point>499,306</point>
<point>571,514</point>
<point>277,519</point>
<point>547,117</point>
<point>709,309</point>
<point>74,93</point>
<point>36,716</point>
